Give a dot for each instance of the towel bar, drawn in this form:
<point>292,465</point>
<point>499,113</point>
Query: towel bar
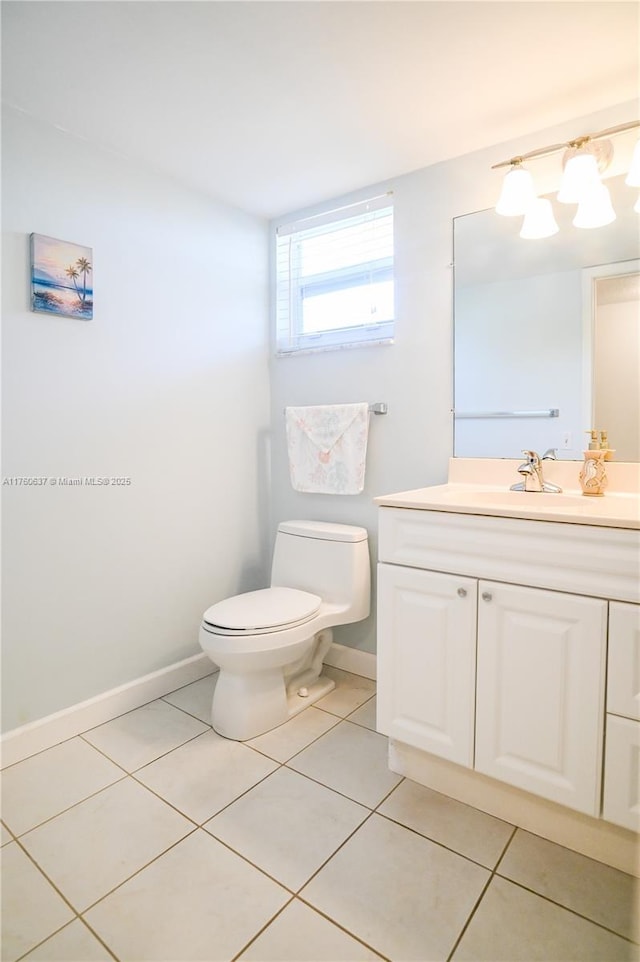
<point>548,413</point>
<point>380,407</point>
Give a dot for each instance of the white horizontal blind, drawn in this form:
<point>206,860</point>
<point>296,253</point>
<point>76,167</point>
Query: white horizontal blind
<point>334,278</point>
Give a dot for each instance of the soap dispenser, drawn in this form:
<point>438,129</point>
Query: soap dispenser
<point>604,444</point>
<point>593,476</point>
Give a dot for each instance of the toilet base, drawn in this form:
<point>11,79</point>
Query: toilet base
<point>248,705</point>
<point>297,703</point>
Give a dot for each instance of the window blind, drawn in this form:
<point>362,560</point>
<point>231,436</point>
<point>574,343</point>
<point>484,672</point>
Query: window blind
<point>334,278</point>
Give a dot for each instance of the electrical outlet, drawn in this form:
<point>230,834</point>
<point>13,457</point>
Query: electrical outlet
<point>566,440</point>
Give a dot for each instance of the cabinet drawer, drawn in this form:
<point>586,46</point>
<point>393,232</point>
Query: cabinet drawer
<point>623,684</point>
<point>621,801</point>
<point>578,558</point>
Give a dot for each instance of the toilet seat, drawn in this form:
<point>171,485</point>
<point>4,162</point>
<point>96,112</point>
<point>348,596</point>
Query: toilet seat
<point>261,612</point>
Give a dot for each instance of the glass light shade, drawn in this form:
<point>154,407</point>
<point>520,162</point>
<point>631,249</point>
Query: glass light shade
<point>580,175</point>
<point>595,209</point>
<point>539,220</point>
<point>633,177</point>
<point>517,192</point>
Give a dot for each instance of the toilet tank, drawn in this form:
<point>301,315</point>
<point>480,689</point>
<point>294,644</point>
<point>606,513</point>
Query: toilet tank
<point>327,559</point>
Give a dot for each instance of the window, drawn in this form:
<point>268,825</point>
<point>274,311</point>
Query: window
<point>334,279</point>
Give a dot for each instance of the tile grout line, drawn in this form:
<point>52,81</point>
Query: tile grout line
<point>483,893</point>
<point>334,853</point>
<point>547,898</point>
<point>329,787</point>
<point>567,908</point>
<point>163,754</point>
<point>98,937</point>
<point>339,925</point>
<point>263,929</point>
<point>473,911</point>
<point>133,874</point>
<point>435,841</point>
<point>56,890</point>
<point>298,752</point>
<point>73,805</point>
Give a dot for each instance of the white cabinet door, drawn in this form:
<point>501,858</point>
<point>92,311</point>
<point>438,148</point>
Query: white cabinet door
<point>621,802</point>
<point>540,692</point>
<point>426,660</point>
<point>623,678</point>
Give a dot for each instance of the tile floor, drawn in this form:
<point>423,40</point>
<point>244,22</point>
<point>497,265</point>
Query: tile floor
<point>153,838</point>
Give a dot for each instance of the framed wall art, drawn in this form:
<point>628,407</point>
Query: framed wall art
<point>61,278</point>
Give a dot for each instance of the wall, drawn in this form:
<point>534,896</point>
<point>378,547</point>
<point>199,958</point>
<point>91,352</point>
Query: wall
<point>167,385</point>
<point>410,446</point>
<point>617,353</point>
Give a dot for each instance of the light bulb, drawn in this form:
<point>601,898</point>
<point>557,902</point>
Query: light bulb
<point>539,220</point>
<point>580,175</point>
<point>595,209</point>
<point>517,192</point>
<point>633,177</point>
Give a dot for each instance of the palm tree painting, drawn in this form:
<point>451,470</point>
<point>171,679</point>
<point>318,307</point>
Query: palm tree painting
<point>83,265</point>
<point>61,278</point>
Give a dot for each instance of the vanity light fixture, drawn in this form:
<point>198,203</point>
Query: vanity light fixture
<point>584,160</point>
<point>539,220</point>
<point>595,208</point>
<point>518,192</point>
<point>582,168</point>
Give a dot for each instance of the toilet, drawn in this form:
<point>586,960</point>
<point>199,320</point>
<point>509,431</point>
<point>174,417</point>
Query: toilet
<point>270,644</point>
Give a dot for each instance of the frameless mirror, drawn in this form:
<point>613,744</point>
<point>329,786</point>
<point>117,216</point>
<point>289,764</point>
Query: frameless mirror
<point>547,333</point>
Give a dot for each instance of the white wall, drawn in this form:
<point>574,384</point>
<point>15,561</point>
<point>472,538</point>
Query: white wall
<point>616,367</point>
<point>167,385</point>
<point>411,445</point>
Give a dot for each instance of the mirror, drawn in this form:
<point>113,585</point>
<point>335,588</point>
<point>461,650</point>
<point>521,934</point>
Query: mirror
<point>547,334</point>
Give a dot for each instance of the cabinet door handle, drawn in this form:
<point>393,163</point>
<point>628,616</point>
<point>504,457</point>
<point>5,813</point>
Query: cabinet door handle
<point>487,596</point>
<point>462,592</point>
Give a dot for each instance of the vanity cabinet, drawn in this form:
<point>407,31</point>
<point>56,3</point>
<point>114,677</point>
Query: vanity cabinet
<point>621,797</point>
<point>427,660</point>
<point>533,699</point>
<point>540,692</point>
<point>492,651</point>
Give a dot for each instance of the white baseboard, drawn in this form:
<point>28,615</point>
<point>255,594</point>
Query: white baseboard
<point>36,736</point>
<point>352,659</point>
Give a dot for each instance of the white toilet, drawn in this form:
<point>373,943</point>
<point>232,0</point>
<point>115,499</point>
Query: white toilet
<point>270,644</point>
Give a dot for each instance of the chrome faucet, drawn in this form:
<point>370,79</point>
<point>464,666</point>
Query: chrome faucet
<point>531,471</point>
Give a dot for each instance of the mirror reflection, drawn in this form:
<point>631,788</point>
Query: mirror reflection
<point>547,334</point>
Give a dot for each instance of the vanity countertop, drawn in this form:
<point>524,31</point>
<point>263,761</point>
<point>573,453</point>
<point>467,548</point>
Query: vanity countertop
<point>620,510</point>
<point>482,487</point>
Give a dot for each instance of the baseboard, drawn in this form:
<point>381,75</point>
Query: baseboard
<point>36,736</point>
<point>352,659</point>
<point>46,732</point>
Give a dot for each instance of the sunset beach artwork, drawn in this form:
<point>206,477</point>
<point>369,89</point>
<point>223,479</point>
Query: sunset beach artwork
<point>61,278</point>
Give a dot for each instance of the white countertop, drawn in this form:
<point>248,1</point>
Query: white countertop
<point>483,496</point>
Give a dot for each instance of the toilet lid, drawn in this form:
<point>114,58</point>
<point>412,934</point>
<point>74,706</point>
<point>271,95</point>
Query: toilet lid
<point>267,608</point>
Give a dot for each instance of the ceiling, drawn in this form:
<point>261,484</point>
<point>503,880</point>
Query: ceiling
<point>273,106</point>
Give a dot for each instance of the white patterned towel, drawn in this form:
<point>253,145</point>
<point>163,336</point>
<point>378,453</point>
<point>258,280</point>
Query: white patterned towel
<point>327,447</point>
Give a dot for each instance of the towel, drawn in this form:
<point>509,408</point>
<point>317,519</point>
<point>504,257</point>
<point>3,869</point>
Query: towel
<point>327,447</point>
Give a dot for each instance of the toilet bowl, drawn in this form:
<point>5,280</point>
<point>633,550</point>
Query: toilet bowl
<point>270,644</point>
